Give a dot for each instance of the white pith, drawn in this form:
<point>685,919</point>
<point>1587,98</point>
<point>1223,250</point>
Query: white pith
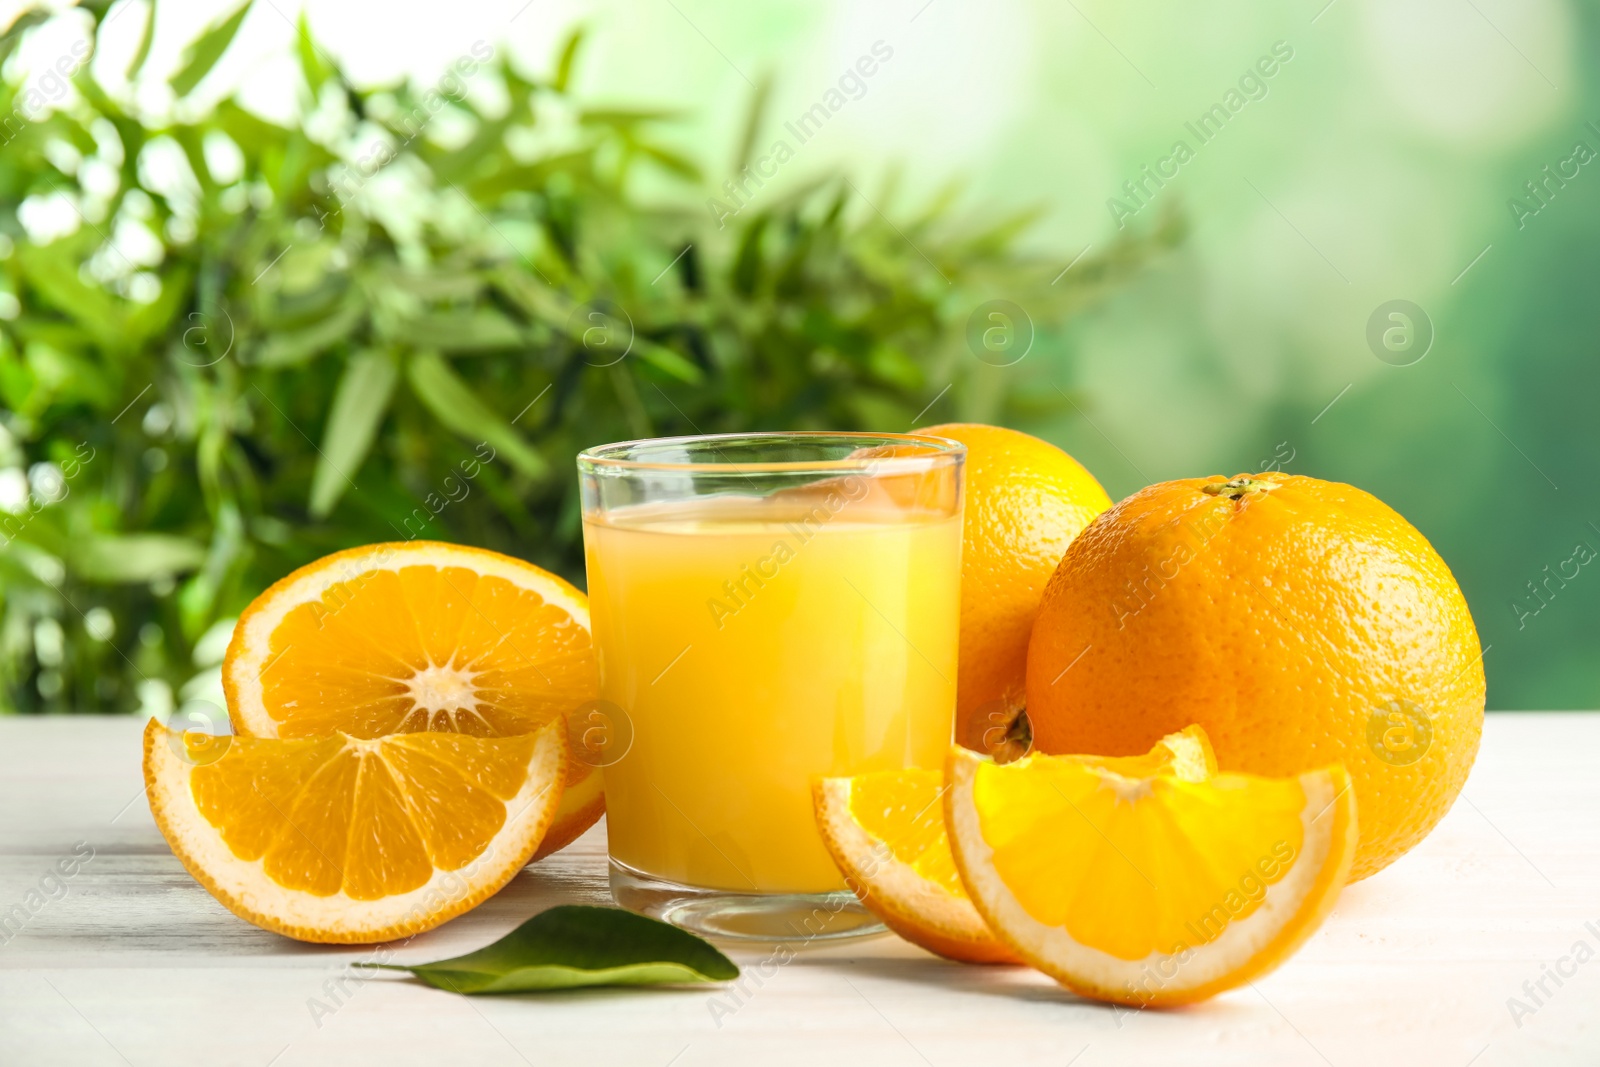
<point>442,692</point>
<point>1128,790</point>
<point>1158,975</point>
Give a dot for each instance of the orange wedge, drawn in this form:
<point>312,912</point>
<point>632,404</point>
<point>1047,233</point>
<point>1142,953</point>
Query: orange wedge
<point>1148,890</point>
<point>885,831</point>
<point>419,636</point>
<point>347,840</point>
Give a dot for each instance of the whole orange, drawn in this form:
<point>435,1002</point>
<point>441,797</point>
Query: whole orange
<point>1301,622</point>
<point>1026,500</point>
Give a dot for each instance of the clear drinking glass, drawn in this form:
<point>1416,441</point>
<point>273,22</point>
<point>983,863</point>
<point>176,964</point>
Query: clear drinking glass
<point>768,609</point>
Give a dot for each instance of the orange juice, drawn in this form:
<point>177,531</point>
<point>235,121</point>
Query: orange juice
<point>757,644</point>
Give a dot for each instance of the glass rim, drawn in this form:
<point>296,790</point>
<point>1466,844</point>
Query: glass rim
<point>936,450</point>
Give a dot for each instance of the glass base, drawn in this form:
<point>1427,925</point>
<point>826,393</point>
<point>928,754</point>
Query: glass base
<point>725,915</point>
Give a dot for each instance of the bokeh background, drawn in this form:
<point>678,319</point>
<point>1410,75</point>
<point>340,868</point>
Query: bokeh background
<point>1350,277</point>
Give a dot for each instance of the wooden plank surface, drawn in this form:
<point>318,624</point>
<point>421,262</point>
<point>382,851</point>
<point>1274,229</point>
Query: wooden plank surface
<point>127,961</point>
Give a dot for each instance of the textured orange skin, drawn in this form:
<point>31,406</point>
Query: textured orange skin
<point>1026,501</point>
<point>1281,622</point>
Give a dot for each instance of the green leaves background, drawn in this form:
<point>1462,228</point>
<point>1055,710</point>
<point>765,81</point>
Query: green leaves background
<point>287,348</point>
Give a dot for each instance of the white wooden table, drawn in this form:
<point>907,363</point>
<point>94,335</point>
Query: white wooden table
<point>129,961</point>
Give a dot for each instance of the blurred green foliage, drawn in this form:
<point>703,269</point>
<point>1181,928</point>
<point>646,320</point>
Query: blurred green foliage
<point>401,315</point>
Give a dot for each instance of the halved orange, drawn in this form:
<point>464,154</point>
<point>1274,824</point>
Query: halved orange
<point>347,840</point>
<point>418,636</point>
<point>886,833</point>
<point>1148,890</point>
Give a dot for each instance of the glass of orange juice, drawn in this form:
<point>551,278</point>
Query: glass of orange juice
<point>768,609</point>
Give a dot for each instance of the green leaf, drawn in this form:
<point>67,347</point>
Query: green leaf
<point>667,361</point>
<point>64,375</point>
<point>203,53</point>
<point>197,599</point>
<point>894,366</point>
<point>189,139</point>
<point>133,557</point>
<point>747,264</point>
<point>514,178</point>
<point>568,55</point>
<point>623,118</point>
<point>96,8</point>
<point>358,407</point>
<point>483,330</point>
<point>287,348</point>
<point>455,405</point>
<point>753,120</point>
<point>252,134</point>
<point>442,284</point>
<point>315,69</point>
<point>18,384</point>
<point>142,53</point>
<point>52,270</point>
<point>487,143</point>
<point>574,945</point>
<point>671,161</point>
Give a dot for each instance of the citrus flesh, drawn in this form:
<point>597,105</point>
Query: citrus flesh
<point>1301,622</point>
<point>418,636</point>
<point>1147,891</point>
<point>1186,754</point>
<point>1026,500</point>
<point>886,832</point>
<point>348,840</point>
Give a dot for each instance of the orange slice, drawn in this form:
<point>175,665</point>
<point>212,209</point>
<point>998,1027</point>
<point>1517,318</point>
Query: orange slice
<point>885,831</point>
<point>419,636</point>
<point>1148,891</point>
<point>347,840</point>
<point>1186,754</point>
